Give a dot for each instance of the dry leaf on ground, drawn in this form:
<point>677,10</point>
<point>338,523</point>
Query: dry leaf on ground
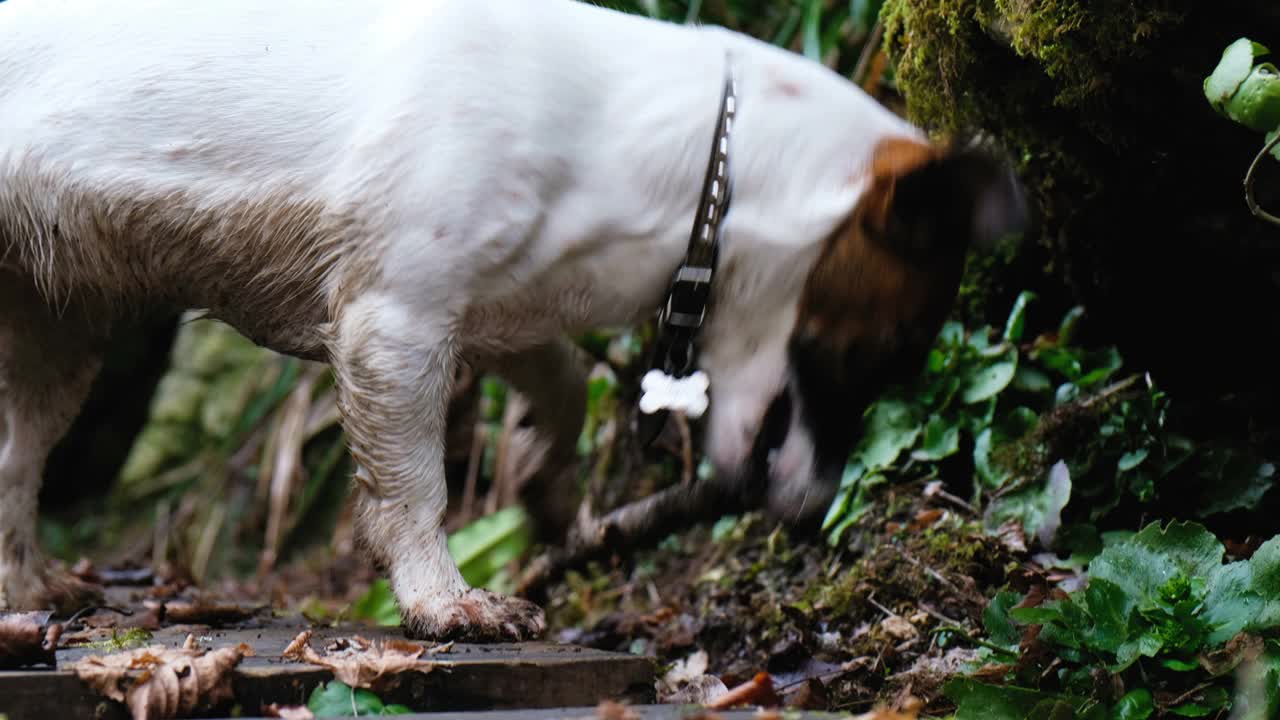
<point>158,682</point>
<point>362,663</point>
<point>26,640</point>
<point>756,691</point>
<point>288,712</point>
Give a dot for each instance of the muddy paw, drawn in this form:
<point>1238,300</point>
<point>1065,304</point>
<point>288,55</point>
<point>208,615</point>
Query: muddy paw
<point>53,589</point>
<point>476,616</point>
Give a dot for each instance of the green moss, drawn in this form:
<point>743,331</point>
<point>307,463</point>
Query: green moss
<point>120,641</point>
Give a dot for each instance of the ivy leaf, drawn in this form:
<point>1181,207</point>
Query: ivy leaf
<point>1232,70</point>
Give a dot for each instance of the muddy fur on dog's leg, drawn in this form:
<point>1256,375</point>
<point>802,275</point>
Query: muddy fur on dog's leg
<point>553,378</point>
<point>629,528</point>
<point>48,361</point>
<point>394,369</point>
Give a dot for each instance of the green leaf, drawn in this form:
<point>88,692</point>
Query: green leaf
<point>1209,701</point>
<point>1070,322</point>
<point>1245,596</point>
<point>1037,507</point>
<point>485,546</point>
<point>1232,70</point>
<point>1271,136</point>
<point>378,605</point>
<point>337,699</point>
<point>1031,380</point>
<point>987,381</point>
<point>941,439</point>
<point>1257,691</point>
<point>995,619</point>
<point>1237,482</point>
<point>979,701</point>
<point>1256,104</point>
<point>1144,563</point>
<point>1016,322</point>
<point>891,427</point>
<point>1132,459</point>
<point>813,30</point>
<point>1135,705</point>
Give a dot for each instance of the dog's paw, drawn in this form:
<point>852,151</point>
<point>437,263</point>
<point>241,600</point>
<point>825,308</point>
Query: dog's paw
<point>53,589</point>
<point>475,616</point>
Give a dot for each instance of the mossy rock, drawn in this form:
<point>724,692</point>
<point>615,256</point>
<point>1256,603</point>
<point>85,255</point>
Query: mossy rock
<point>1135,178</point>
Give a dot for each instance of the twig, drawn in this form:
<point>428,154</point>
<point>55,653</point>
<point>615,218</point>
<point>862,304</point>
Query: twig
<point>869,50</point>
<point>1248,182</point>
<point>686,447</point>
<point>957,630</point>
<point>629,527</point>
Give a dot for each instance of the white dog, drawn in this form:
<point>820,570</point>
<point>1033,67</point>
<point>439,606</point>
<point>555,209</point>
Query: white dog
<point>397,186</point>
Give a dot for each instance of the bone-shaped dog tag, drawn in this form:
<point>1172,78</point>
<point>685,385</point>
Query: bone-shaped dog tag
<point>660,391</point>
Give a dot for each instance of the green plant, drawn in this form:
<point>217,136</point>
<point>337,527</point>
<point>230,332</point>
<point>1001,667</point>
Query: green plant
<point>337,699</point>
<point>1160,627</point>
<point>1248,91</point>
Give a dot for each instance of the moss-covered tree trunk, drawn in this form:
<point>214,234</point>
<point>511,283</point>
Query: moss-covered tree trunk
<point>1138,180</point>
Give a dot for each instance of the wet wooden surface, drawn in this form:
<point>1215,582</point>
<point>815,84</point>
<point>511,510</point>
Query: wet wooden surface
<point>468,677</point>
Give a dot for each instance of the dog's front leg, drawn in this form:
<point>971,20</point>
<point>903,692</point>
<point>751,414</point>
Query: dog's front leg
<point>394,369</point>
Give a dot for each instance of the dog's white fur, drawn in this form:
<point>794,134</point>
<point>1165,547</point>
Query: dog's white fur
<point>396,185</point>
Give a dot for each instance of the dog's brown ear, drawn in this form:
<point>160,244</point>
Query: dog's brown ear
<point>937,202</point>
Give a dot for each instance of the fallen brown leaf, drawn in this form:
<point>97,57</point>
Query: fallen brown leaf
<point>202,612</point>
<point>361,663</point>
<point>158,682</point>
<point>756,691</point>
<point>288,712</point>
<point>26,640</point>
<point>925,519</point>
<point>612,710</point>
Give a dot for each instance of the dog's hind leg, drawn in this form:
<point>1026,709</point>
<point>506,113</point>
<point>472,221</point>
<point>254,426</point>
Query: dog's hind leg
<point>553,377</point>
<point>394,370</point>
<point>47,363</point>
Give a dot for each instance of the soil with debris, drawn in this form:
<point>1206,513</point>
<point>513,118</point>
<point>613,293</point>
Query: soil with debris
<point>880,619</point>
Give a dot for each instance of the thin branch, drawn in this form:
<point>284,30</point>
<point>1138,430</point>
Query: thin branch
<point>629,527</point>
<point>1248,182</point>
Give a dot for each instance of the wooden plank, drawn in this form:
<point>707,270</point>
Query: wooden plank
<point>468,677</point>
<point>643,712</point>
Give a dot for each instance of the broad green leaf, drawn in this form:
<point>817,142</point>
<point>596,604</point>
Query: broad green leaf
<point>1152,557</point>
<point>1245,595</point>
<point>987,381</point>
<point>485,546</point>
<point>337,699</point>
<point>1135,705</point>
<point>1240,483</point>
<point>1256,104</point>
<point>1037,507</point>
<point>1232,70</point>
<point>377,605</point>
<point>891,427</point>
<point>1109,610</point>
<point>941,439</point>
<point>1016,322</point>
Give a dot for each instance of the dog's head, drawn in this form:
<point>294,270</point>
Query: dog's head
<point>790,385</point>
